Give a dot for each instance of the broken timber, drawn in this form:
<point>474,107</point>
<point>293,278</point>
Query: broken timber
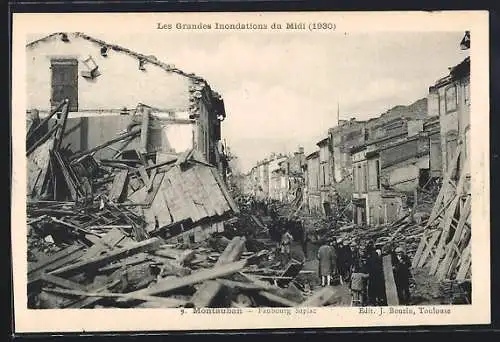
<point>168,285</point>
<point>390,284</point>
<point>113,255</point>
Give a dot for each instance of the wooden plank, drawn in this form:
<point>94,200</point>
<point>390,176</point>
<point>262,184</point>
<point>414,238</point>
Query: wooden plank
<point>144,176</point>
<point>452,247</point>
<point>105,244</point>
<point>233,251</point>
<point>133,132</point>
<point>212,188</point>
<point>320,297</point>
<point>241,285</point>
<point>88,301</point>
<point>292,270</point>
<point>152,191</point>
<point>167,285</point>
<point>150,186</point>
<point>62,121</point>
<point>445,232</point>
<point>174,204</point>
<point>225,192</point>
<point>145,130</point>
<point>48,261</point>
<point>160,208</point>
<point>165,302</point>
<point>390,284</point>
<point>191,185</point>
<point>69,182</point>
<point>37,169</point>
<point>202,193</point>
<point>35,277</point>
<point>465,263</point>
<point>428,249</point>
<point>197,192</point>
<point>61,282</point>
<point>118,186</point>
<point>99,261</point>
<point>420,249</point>
<point>450,213</point>
<point>183,195</point>
<point>206,294</point>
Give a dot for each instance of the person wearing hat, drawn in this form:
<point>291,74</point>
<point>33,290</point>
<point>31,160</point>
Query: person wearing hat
<point>358,284</point>
<point>402,274</point>
<point>346,260</point>
<point>354,253</point>
<point>376,286</point>
<point>327,266</point>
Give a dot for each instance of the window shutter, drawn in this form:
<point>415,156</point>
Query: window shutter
<point>65,82</point>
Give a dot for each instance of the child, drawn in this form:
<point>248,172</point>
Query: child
<point>359,285</point>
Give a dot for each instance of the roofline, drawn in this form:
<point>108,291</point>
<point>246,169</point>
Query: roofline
<point>312,155</point>
<point>146,58</point>
<point>322,141</point>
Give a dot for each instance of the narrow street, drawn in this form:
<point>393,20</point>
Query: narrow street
<point>140,201</point>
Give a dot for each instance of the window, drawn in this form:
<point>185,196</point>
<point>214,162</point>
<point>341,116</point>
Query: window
<point>451,98</point>
<point>65,82</point>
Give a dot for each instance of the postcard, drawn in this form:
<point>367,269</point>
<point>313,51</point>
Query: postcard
<point>226,171</point>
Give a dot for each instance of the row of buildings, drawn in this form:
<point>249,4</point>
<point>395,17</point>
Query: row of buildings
<point>381,163</point>
<point>108,84</point>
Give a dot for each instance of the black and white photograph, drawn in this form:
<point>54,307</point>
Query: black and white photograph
<point>270,166</point>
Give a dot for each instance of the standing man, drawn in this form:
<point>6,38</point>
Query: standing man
<point>346,260</point>
<point>402,275</point>
<point>354,254</point>
<point>327,263</point>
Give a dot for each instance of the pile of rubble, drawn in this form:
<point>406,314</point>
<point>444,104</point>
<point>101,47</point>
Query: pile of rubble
<point>149,230</point>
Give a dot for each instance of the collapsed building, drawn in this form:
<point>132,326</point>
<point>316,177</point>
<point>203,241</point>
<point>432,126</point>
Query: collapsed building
<point>127,200</point>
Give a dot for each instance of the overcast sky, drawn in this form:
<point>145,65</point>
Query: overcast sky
<point>281,89</point>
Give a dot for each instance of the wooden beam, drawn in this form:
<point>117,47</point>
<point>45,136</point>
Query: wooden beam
<point>390,284</point>
<point>62,126</point>
<point>452,247</point>
<point>99,261</point>
<point>446,223</point>
<point>61,282</point>
<point>206,294</point>
<point>134,132</point>
<point>165,302</point>
<point>428,247</point>
<point>232,252</point>
<point>145,130</point>
<point>118,186</point>
<point>46,119</point>
<point>168,285</point>
<point>59,259</point>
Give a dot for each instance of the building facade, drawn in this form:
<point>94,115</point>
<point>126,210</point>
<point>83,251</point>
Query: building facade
<point>392,164</point>
<point>450,101</point>
<point>105,83</point>
<point>314,204</point>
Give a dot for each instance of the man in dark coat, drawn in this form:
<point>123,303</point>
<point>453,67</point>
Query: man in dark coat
<point>376,284</point>
<point>402,275</point>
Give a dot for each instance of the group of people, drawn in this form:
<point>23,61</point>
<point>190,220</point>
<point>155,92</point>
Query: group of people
<point>360,267</point>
